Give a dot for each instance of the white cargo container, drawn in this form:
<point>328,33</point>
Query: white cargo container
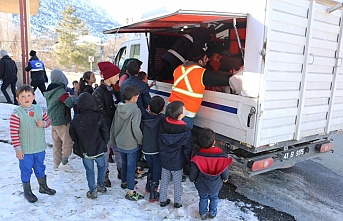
<point>293,75</point>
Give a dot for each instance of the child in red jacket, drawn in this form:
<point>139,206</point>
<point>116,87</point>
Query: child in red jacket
<point>209,169</point>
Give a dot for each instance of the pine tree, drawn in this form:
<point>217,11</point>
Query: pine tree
<point>70,52</point>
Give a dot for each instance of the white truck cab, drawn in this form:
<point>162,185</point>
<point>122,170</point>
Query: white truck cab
<point>133,48</point>
<point>292,101</point>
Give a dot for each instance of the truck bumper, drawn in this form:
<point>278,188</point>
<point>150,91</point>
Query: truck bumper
<point>285,158</point>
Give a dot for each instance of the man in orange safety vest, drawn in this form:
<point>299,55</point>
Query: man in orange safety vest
<point>190,79</point>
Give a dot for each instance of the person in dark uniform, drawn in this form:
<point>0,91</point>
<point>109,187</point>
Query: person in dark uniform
<point>198,38</point>
<point>38,74</point>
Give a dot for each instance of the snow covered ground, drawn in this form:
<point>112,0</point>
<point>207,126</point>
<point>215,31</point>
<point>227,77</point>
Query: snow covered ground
<point>70,201</point>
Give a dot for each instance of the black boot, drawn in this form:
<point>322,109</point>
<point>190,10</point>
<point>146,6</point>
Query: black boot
<point>107,179</point>
<point>148,182</point>
<point>119,173</point>
<point>154,195</point>
<point>28,193</point>
<point>43,187</point>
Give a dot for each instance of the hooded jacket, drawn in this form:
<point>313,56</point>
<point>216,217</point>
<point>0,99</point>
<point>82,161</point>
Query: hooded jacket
<point>150,128</point>
<point>58,101</point>
<point>127,133</point>
<point>8,68</point>
<point>175,142</point>
<point>88,129</point>
<point>208,170</point>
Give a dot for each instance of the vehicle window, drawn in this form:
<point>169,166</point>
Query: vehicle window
<point>120,58</point>
<point>135,51</point>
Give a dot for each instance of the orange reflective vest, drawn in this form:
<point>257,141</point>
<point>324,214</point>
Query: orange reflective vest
<point>188,87</point>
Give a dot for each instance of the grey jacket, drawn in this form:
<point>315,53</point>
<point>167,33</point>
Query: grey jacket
<point>125,128</point>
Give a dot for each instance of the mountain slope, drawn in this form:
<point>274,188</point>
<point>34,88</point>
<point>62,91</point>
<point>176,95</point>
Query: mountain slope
<point>50,12</point>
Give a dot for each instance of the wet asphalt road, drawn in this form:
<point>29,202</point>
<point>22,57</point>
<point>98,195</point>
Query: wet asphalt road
<point>324,174</point>
<point>262,212</point>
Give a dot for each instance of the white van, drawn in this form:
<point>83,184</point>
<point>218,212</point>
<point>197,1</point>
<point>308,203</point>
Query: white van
<point>292,101</point>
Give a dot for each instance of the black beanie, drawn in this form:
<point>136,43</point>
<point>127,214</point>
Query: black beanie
<point>33,53</point>
<point>196,54</point>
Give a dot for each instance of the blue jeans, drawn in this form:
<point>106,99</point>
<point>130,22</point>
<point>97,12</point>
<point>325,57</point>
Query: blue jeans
<point>203,203</point>
<point>128,168</point>
<point>189,121</point>
<point>33,161</point>
<point>4,86</point>
<point>90,174</point>
<point>154,164</point>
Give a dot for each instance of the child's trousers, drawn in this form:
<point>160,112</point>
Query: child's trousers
<point>154,164</point>
<point>177,179</point>
<point>203,203</point>
<point>63,144</point>
<point>128,168</point>
<point>90,173</point>
<point>33,161</point>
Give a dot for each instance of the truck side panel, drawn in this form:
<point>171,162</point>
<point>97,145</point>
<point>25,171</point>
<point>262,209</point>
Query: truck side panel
<point>226,114</point>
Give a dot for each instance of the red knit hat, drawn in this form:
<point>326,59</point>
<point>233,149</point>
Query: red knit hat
<point>108,69</point>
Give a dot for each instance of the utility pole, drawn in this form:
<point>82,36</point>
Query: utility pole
<point>24,26</point>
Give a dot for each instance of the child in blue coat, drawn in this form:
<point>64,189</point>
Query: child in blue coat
<point>175,143</point>
<point>150,128</point>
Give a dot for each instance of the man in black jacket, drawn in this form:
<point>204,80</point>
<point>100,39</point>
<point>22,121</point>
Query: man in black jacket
<point>38,74</point>
<point>197,38</point>
<point>8,74</point>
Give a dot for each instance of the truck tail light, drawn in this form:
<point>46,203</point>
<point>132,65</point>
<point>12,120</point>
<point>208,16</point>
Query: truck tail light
<point>322,148</point>
<point>262,164</point>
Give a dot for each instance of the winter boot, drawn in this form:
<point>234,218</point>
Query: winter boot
<point>148,182</point>
<point>107,179</point>
<point>119,173</point>
<point>28,193</point>
<point>43,187</point>
<point>101,189</point>
<point>154,195</point>
<point>92,195</point>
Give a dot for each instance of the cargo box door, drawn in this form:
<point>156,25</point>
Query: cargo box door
<point>301,87</point>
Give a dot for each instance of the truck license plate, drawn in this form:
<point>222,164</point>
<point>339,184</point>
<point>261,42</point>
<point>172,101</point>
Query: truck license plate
<point>293,153</point>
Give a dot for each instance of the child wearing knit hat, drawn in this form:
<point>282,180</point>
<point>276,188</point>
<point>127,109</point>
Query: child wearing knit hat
<point>109,70</point>
<point>103,96</point>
